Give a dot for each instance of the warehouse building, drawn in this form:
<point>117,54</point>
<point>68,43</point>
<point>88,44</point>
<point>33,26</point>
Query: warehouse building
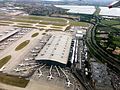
<point>56,51</point>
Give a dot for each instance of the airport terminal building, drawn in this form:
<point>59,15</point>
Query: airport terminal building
<point>56,51</point>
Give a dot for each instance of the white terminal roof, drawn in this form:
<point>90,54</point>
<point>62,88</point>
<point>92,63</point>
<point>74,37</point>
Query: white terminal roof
<point>8,35</point>
<point>110,12</point>
<point>56,49</point>
<point>78,9</point>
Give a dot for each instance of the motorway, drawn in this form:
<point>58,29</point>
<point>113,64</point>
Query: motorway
<point>98,52</point>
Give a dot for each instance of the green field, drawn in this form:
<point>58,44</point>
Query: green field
<point>35,34</point>
<point>110,22</point>
<point>22,45</point>
<point>117,26</point>
<point>53,23</point>
<point>25,21</point>
<point>4,24</point>
<point>74,23</point>
<point>4,60</point>
<point>23,26</point>
<point>56,27</point>
<point>13,80</point>
<point>45,18</point>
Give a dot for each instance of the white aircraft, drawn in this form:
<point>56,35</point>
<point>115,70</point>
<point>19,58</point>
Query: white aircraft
<point>40,73</point>
<point>16,36</point>
<point>114,4</point>
<point>34,54</point>
<point>1,69</point>
<point>17,70</point>
<point>5,43</point>
<point>34,51</point>
<point>21,33</point>
<point>32,63</point>
<point>28,59</point>
<point>50,77</point>
<point>68,83</point>
<point>1,34</point>
<point>22,65</point>
<point>6,31</point>
<point>10,39</point>
<point>37,48</point>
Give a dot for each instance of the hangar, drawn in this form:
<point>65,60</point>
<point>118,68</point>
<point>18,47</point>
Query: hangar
<point>56,51</point>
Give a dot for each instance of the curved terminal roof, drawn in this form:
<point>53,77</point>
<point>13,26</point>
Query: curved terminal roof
<point>56,49</point>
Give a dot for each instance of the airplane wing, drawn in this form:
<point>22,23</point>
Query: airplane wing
<point>114,4</point>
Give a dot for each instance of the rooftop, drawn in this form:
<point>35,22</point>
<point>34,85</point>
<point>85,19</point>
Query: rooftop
<point>78,9</point>
<point>56,49</point>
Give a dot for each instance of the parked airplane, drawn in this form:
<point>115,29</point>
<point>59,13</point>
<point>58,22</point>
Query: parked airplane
<point>17,70</point>
<point>114,4</point>
<point>22,65</point>
<point>50,77</point>
<point>5,43</point>
<point>21,33</point>
<point>1,34</point>
<point>16,36</point>
<point>1,69</point>
<point>10,39</point>
<point>37,48</point>
<point>34,51</point>
<point>68,83</point>
<point>6,31</point>
<point>40,73</point>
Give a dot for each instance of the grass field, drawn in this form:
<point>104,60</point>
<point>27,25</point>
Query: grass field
<point>117,26</point>
<point>45,18</point>
<point>25,21</point>
<point>110,22</point>
<point>24,24</point>
<point>35,34</point>
<point>52,23</point>
<point>22,45</point>
<point>74,23</point>
<point>4,60</point>
<point>4,24</point>
<point>56,27</point>
<point>13,80</point>
<point>40,25</point>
